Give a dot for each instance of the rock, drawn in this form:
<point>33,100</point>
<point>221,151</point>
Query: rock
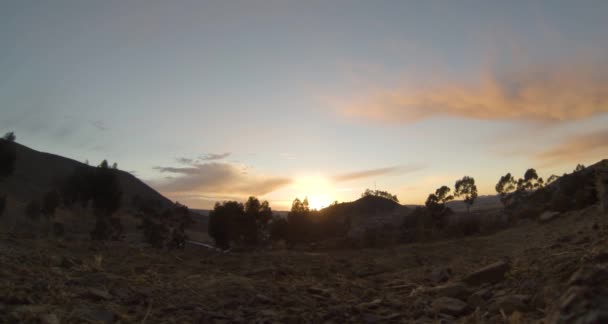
<point>547,216</point>
<point>512,303</point>
<point>98,294</point>
<point>586,299</point>
<point>449,305</point>
<point>455,290</point>
<point>479,297</point>
<point>369,305</point>
<point>492,273</point>
<point>440,275</point>
<point>49,319</point>
<point>95,315</point>
<point>263,299</point>
<point>319,291</point>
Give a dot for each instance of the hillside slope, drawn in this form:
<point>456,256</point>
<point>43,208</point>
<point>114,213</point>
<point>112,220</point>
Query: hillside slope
<point>37,173</point>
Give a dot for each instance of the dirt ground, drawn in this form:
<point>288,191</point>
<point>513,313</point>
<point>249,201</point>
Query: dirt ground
<point>55,281</point>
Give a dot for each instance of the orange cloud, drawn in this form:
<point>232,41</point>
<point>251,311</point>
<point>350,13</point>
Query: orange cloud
<point>547,93</point>
<point>375,173</point>
<point>576,148</point>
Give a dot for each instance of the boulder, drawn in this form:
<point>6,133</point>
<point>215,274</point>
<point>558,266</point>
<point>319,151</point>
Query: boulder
<point>492,273</point>
<point>586,299</point>
<point>454,289</point>
<point>511,303</point>
<point>440,275</point>
<point>547,216</point>
<point>479,297</point>
<point>449,306</point>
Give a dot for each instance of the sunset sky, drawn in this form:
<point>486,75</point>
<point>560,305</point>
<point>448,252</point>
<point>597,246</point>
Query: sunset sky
<point>217,100</point>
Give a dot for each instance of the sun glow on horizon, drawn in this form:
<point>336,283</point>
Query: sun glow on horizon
<point>319,191</point>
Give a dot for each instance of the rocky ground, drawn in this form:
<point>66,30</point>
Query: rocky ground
<point>550,272</point>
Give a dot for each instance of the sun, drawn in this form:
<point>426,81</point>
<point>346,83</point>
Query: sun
<point>317,189</point>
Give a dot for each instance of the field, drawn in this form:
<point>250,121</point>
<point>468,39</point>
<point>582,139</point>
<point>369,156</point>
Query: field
<point>55,281</point>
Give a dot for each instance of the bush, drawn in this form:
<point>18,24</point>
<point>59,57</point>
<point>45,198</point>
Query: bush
<point>58,229</point>
<point>224,223</point>
<point>32,210</point>
<point>2,204</point>
<point>50,203</point>
<point>8,156</point>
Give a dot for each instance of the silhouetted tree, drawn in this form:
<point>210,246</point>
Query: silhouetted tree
<point>2,204</point>
<point>279,229</point>
<point>467,189</point>
<point>10,137</point>
<point>104,164</point>
<point>8,157</point>
<point>435,204</point>
<point>32,210</point>
<point>255,221</point>
<point>106,196</point>
<point>579,167</point>
<point>50,202</point>
<point>531,181</point>
<point>552,179</point>
<point>115,166</point>
<point>505,186</point>
<point>299,222</point>
<point>380,193</point>
<point>223,223</point>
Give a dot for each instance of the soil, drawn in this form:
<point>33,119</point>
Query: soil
<point>61,281</point>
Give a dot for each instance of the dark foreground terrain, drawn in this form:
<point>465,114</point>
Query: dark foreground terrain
<point>551,272</point>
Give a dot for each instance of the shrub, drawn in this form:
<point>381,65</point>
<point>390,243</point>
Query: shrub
<point>2,204</point>
<point>58,229</point>
<point>224,221</point>
<point>8,156</point>
<point>32,210</point>
<point>50,202</point>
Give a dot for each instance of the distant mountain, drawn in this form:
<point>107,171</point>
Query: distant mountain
<point>37,173</point>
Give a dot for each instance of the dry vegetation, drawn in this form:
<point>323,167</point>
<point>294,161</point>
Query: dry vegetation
<point>60,281</point>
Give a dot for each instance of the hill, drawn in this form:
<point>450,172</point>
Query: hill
<point>369,212</point>
<point>37,173</point>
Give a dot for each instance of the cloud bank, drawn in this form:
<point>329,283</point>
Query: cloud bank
<point>217,180</point>
<point>547,93</point>
<point>576,148</point>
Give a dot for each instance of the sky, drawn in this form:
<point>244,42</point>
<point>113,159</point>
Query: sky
<point>218,100</point>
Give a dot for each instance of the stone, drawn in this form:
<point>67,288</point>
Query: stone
<point>96,315</point>
<point>492,273</point>
<point>586,299</point>
<point>454,289</point>
<point>449,305</point>
<point>49,319</point>
<point>512,303</point>
<point>547,216</point>
<point>479,297</point>
<point>369,305</point>
<point>263,299</point>
<point>98,294</point>
<point>440,275</point>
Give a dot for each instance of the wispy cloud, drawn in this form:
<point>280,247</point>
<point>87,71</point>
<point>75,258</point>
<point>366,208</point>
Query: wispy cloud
<point>547,93</point>
<point>99,125</point>
<point>217,180</point>
<point>185,160</point>
<point>214,156</point>
<point>375,173</point>
<point>576,148</point>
